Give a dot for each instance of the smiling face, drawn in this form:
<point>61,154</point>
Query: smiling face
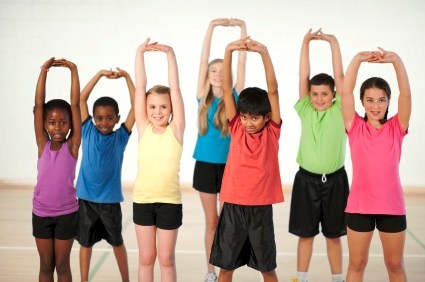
<point>105,119</point>
<point>253,123</point>
<point>375,102</point>
<point>214,74</point>
<point>57,124</point>
<point>158,108</point>
<point>321,97</point>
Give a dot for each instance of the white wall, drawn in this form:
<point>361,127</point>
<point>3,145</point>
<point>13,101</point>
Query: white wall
<point>103,34</point>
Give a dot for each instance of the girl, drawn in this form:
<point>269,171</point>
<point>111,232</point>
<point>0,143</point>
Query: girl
<point>376,197</point>
<point>213,141</point>
<point>55,218</point>
<point>157,208</point>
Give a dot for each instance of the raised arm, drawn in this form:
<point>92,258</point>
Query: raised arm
<point>74,139</point>
<point>404,99</point>
<point>129,122</point>
<point>205,54</point>
<point>140,92</point>
<point>305,62</point>
<point>272,89</point>
<point>336,60</point>
<point>41,136</point>
<point>241,68</point>
<point>178,121</point>
<point>347,95</point>
<point>84,96</point>
<point>229,99</point>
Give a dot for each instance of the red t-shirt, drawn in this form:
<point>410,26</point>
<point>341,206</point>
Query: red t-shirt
<point>252,176</point>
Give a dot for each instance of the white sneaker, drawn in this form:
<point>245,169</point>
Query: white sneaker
<point>210,277</point>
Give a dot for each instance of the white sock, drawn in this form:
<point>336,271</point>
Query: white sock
<point>302,276</point>
<point>337,277</point>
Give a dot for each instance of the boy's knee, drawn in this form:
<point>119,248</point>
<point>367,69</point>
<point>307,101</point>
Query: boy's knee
<point>225,272</point>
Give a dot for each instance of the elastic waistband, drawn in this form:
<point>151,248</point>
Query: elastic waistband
<point>323,177</point>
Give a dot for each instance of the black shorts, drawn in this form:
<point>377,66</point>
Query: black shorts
<point>164,216</point>
<point>62,227</point>
<point>207,177</point>
<point>383,222</point>
<point>318,199</point>
<point>244,236</point>
<point>99,221</point>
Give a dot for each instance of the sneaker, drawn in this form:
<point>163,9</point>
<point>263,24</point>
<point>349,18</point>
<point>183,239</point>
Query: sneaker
<point>210,277</point>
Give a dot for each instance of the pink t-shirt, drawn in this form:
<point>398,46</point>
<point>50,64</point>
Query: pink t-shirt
<point>252,175</point>
<point>375,154</point>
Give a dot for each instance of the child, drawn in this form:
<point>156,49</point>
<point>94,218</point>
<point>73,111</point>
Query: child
<point>55,217</point>
<point>251,181</point>
<point>321,186</point>
<point>157,206</point>
<point>376,196</point>
<point>212,145</point>
<point>99,189</point>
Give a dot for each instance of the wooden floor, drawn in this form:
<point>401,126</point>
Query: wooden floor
<point>19,258</point>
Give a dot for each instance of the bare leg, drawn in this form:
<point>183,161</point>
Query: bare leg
<point>146,240</point>
<point>121,256</point>
<point>305,249</point>
<point>62,259</point>
<point>46,251</point>
<point>269,276</point>
<point>358,247</point>
<point>225,275</point>
<point>393,246</point>
<point>85,257</point>
<point>166,254</point>
<point>209,203</point>
<point>334,249</point>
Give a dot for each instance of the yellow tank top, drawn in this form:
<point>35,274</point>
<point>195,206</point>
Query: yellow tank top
<point>157,179</point>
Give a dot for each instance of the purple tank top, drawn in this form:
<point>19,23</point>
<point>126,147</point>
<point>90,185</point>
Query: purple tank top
<point>54,194</point>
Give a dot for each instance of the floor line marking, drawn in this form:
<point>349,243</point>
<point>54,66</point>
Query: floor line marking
<point>415,238</point>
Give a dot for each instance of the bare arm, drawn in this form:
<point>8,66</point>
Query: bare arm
<point>129,122</point>
<point>272,89</point>
<point>41,136</point>
<point>336,60</point>
<point>205,54</point>
<point>305,62</point>
<point>404,99</point>
<point>229,99</point>
<point>241,68</point>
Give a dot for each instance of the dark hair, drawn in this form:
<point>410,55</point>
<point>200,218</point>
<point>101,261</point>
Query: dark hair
<point>380,83</point>
<point>57,104</point>
<point>106,101</point>
<point>254,101</point>
<point>322,79</point>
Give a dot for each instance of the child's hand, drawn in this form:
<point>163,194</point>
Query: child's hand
<point>386,56</point>
<point>312,35</point>
<point>108,73</point>
<point>239,45</point>
<point>368,56</point>
<point>222,22</point>
<point>322,36</point>
<point>64,63</point>
<point>121,72</point>
<point>146,46</point>
<point>162,48</point>
<point>255,46</point>
<point>237,22</point>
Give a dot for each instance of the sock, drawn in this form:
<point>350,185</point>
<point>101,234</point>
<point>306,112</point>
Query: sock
<point>337,277</point>
<point>302,276</point>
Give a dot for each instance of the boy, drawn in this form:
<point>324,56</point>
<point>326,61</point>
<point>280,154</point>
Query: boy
<point>320,188</point>
<point>251,181</point>
<point>99,189</point>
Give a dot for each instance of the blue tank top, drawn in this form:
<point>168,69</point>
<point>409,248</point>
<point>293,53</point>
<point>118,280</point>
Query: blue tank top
<point>54,194</point>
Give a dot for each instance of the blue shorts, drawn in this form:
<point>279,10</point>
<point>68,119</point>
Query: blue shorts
<point>244,236</point>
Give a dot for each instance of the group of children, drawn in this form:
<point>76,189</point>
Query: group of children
<point>236,156</point>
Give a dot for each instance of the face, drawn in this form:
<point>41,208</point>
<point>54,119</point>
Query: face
<point>214,75</point>
<point>321,97</point>
<point>375,103</point>
<point>57,124</point>
<point>253,123</point>
<point>158,108</point>
<point>105,119</point>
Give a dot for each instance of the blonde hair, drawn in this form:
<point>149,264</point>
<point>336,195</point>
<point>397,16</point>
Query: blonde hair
<point>163,90</point>
<point>220,117</point>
